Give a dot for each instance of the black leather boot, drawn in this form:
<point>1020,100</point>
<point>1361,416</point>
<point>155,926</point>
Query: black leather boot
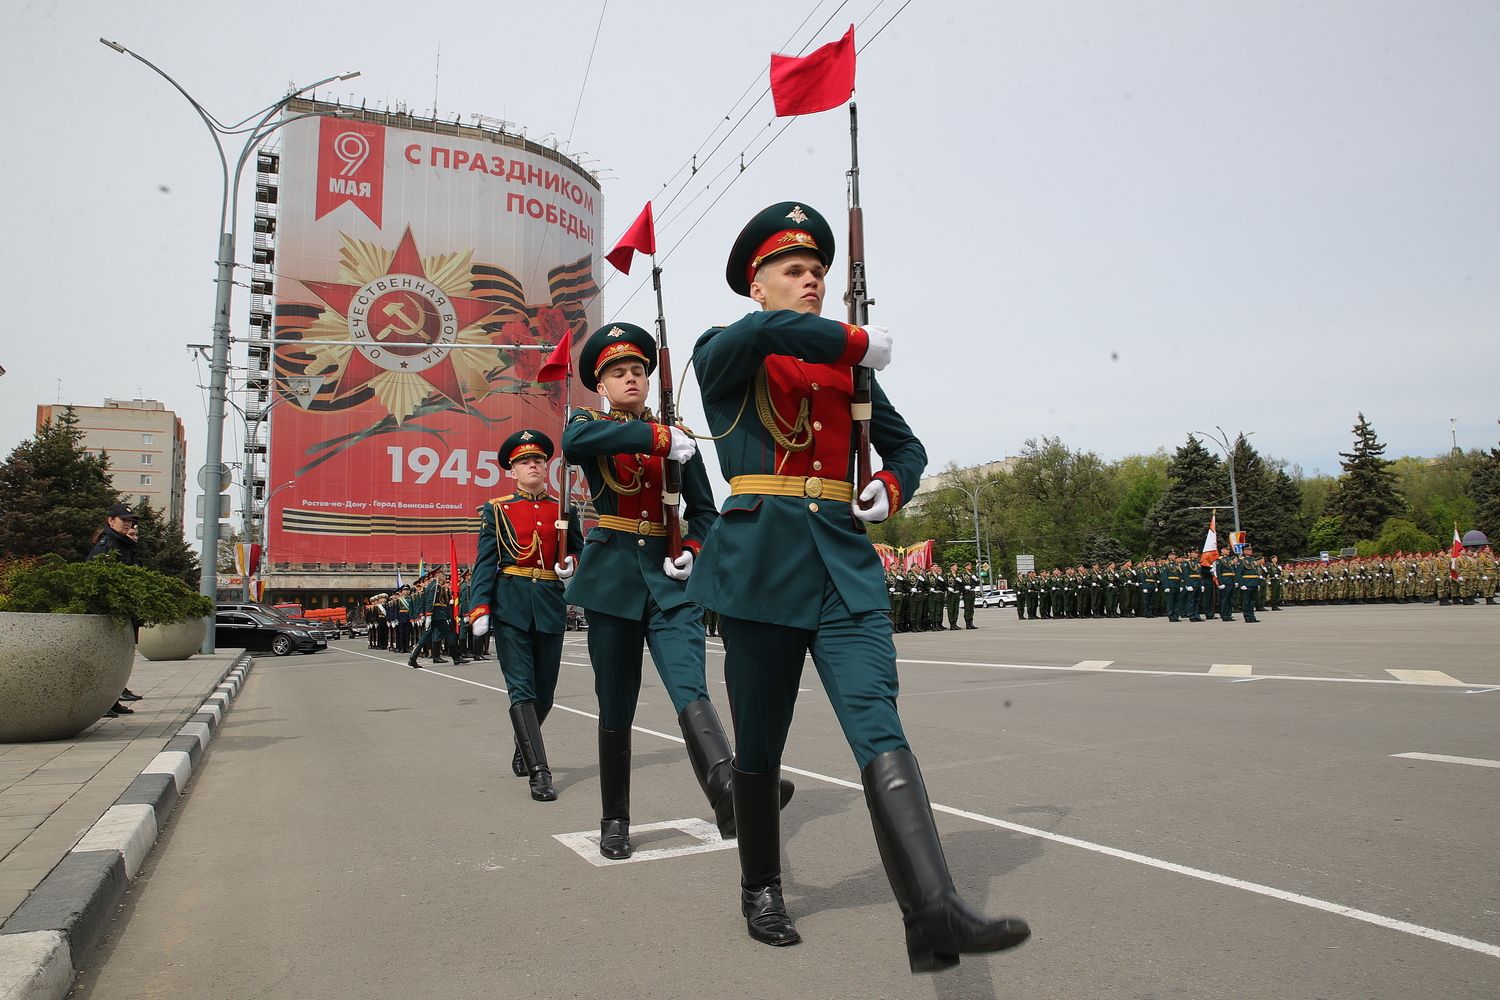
<point>759,820</point>
<point>533,753</point>
<point>614,794</point>
<point>517,763</point>
<point>939,925</point>
<point>708,750</point>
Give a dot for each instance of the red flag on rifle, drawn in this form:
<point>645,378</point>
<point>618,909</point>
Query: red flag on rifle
<point>823,79</point>
<point>555,368</point>
<point>640,236</point>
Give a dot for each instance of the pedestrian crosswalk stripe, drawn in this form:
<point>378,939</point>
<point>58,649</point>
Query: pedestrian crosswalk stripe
<point>1092,664</point>
<point>1426,677</point>
<point>1230,670</point>
<point>1443,758</point>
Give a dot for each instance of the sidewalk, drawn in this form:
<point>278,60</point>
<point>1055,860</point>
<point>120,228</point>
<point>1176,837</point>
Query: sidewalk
<point>63,797</point>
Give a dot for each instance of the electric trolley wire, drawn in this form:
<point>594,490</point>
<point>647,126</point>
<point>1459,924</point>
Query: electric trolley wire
<point>749,163</point>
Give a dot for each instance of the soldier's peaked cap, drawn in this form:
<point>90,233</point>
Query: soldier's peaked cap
<point>789,225</point>
<point>525,444</point>
<point>610,343</point>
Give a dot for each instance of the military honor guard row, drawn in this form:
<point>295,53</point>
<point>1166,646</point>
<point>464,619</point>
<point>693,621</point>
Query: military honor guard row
<point>782,571</point>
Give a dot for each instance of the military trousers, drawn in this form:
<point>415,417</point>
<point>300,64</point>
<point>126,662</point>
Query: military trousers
<point>1247,598</point>
<point>616,650</point>
<point>969,607</point>
<point>953,611</point>
<point>1226,602</point>
<point>441,630</point>
<point>530,662</point>
<point>855,658</point>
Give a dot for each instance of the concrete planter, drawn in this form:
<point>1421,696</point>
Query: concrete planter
<point>59,673</point>
<point>177,641</point>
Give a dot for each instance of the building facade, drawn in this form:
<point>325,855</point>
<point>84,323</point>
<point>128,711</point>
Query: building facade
<point>145,446</point>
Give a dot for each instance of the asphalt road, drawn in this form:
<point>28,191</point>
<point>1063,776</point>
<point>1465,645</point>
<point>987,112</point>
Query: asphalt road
<point>1170,828</point>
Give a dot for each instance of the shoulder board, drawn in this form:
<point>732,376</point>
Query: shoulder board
<point>584,413</point>
<point>508,496</point>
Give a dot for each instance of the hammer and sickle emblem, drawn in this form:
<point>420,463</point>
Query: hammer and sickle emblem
<point>413,326</point>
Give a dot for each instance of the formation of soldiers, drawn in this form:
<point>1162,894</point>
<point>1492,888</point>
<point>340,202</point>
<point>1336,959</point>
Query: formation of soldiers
<point>403,621</point>
<point>1404,578</point>
<point>919,598</point>
<point>1180,586</point>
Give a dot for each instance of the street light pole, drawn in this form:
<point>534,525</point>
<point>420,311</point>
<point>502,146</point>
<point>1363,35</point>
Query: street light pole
<point>1223,442</point>
<point>213,469</point>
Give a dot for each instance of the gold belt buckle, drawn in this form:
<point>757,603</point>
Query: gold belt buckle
<point>813,487</point>
<point>644,528</point>
<point>536,573</point>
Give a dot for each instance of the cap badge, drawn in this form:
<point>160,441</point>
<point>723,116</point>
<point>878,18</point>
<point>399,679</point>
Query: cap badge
<point>526,435</point>
<point>797,215</point>
<point>616,332</point>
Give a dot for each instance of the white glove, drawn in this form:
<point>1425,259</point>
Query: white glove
<point>566,568</point>
<point>878,353</point>
<point>481,626</point>
<point>683,446</point>
<point>879,502</point>
<point>680,568</point>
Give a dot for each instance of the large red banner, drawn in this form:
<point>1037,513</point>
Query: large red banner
<point>416,296</point>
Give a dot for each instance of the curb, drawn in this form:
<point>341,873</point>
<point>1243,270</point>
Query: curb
<point>47,939</point>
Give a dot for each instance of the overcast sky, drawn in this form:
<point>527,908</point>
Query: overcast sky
<point>1110,222</point>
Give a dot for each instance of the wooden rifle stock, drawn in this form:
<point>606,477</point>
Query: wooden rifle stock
<point>666,412</point>
<point>858,300</point>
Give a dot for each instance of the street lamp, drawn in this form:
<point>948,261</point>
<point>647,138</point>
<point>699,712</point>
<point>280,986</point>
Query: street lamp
<point>265,510</point>
<point>973,496</point>
<point>213,468</point>
<point>1223,442</point>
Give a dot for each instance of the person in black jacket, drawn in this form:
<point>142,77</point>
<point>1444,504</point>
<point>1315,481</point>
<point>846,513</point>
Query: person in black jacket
<point>119,539</point>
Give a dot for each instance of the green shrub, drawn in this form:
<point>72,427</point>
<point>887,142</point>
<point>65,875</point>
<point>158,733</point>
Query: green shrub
<point>100,587</point>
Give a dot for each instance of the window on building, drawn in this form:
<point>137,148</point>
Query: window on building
<point>145,480</point>
<point>148,439</point>
<point>145,459</point>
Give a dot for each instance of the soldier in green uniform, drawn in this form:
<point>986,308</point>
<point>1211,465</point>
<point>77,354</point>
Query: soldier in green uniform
<point>1275,583</point>
<point>518,592</point>
<point>916,600</point>
<point>1171,585</point>
<point>971,583</point>
<point>633,593</point>
<point>893,588</point>
<point>793,573</point>
<point>1227,584</point>
<point>1147,578</point>
<point>937,596</point>
<point>1249,577</point>
<point>953,591</point>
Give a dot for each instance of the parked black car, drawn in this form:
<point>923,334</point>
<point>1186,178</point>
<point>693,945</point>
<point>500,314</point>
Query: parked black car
<point>327,631</point>
<point>254,630</point>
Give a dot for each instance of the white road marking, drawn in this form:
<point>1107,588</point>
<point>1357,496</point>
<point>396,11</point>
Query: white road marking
<point>1312,902</point>
<point>1426,677</point>
<point>1230,670</point>
<point>1443,758</point>
<point>586,842</point>
<point>1092,664</point>
<point>1187,673</point>
<point>1246,680</point>
<point>1482,690</point>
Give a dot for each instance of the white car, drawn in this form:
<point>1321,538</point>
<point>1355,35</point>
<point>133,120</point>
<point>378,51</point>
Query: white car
<point>994,598</point>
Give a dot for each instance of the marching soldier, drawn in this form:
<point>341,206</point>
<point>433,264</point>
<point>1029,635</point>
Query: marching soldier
<point>954,589</point>
<point>1228,583</point>
<point>633,593</point>
<point>791,570</point>
<point>518,589</point>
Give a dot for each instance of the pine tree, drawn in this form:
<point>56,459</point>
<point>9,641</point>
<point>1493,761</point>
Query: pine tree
<point>53,493</point>
<point>1291,529</point>
<point>1103,550</point>
<point>161,546</point>
<point>1366,493</point>
<point>1196,479</point>
<point>1484,490</point>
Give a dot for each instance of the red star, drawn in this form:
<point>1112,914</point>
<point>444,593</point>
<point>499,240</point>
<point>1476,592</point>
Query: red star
<point>359,370</point>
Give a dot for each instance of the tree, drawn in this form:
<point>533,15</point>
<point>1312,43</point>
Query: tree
<point>1103,550</point>
<point>228,539</point>
<point>1290,535</point>
<point>1326,535</point>
<point>161,546</point>
<point>1400,535</point>
<point>1484,490</point>
<point>1141,480</point>
<point>1366,493</point>
<point>53,493</point>
<point>1052,501</point>
<point>1196,478</point>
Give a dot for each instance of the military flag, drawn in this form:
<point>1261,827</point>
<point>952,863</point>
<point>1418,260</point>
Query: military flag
<point>1211,542</point>
<point>818,81</point>
<point>1454,553</point>
<point>640,236</point>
